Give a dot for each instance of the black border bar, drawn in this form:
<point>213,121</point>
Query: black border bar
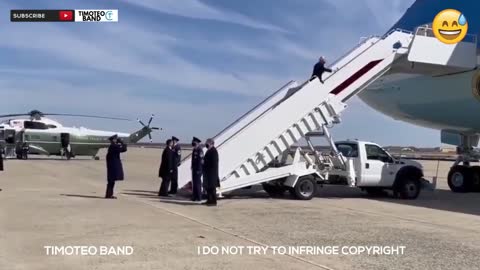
<point>40,15</point>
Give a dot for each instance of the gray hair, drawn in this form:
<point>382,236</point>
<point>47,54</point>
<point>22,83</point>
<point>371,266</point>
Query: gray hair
<point>210,141</point>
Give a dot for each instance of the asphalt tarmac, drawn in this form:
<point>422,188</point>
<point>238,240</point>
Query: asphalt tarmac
<point>49,207</point>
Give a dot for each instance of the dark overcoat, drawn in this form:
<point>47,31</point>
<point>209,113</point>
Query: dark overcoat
<point>1,160</point>
<point>210,169</point>
<point>168,163</point>
<point>319,69</point>
<point>114,163</point>
<point>197,161</point>
<point>177,155</point>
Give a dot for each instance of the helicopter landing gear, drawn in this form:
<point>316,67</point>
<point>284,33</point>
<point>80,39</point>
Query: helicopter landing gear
<point>22,152</point>
<point>67,152</point>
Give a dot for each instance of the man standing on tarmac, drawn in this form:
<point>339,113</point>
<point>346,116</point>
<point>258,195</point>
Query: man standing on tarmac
<point>177,158</point>
<point>166,169</point>
<point>1,159</point>
<point>114,164</point>
<point>210,173</point>
<point>197,163</point>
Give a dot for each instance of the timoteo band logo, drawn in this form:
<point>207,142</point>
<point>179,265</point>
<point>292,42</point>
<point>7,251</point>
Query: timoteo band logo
<point>100,15</point>
<point>88,250</point>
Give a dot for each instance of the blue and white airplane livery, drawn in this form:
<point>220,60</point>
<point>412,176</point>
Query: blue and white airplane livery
<point>448,102</point>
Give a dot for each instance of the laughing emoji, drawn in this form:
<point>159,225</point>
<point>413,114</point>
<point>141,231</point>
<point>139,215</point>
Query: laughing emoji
<point>450,26</point>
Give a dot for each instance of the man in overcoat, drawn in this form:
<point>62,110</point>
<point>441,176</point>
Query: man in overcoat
<point>114,164</point>
<point>210,172</point>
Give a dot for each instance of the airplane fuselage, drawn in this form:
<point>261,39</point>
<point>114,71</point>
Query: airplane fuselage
<point>449,102</point>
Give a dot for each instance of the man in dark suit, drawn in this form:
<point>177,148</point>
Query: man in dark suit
<point>320,68</point>
<point>166,169</point>
<point>210,172</point>
<point>177,158</point>
<point>1,159</point>
<point>114,164</point>
<point>197,163</point>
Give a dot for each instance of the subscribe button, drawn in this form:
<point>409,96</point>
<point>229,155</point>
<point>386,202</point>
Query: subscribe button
<point>42,15</point>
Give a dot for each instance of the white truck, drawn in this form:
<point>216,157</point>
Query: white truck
<point>354,163</point>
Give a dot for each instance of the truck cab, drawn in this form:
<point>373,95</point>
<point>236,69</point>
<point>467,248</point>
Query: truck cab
<point>375,170</point>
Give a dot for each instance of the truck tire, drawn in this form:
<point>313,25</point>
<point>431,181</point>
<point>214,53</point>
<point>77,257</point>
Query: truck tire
<point>460,178</point>
<point>476,179</point>
<point>408,188</point>
<point>305,188</point>
<point>274,190</point>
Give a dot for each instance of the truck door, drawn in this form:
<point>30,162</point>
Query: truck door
<point>378,168</point>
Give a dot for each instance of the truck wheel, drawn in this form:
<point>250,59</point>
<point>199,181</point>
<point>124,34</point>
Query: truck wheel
<point>476,179</point>
<point>460,178</point>
<point>305,188</point>
<point>274,190</point>
<point>408,188</point>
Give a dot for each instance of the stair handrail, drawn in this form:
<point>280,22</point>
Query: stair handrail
<point>244,115</point>
<point>361,53</point>
<point>254,108</point>
<point>352,49</point>
<point>312,78</point>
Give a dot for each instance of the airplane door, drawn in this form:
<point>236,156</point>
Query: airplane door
<point>66,149</point>
<point>10,136</point>
<point>10,142</point>
<point>65,139</point>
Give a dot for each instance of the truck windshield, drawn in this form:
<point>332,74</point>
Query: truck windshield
<point>348,149</point>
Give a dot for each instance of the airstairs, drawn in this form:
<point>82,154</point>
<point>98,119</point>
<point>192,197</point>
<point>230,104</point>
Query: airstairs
<point>258,138</point>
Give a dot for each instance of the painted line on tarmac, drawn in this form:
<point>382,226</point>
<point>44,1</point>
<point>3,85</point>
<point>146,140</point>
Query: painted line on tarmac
<point>156,205</point>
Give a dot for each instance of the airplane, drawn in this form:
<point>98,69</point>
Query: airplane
<point>43,136</point>
<point>448,102</point>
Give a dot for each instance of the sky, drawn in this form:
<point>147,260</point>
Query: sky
<point>196,65</point>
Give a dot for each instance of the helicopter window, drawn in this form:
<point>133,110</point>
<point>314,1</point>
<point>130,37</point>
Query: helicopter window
<point>35,125</point>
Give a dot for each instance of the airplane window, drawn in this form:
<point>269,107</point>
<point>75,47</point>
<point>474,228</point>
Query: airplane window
<point>348,149</point>
<point>51,126</point>
<point>35,125</point>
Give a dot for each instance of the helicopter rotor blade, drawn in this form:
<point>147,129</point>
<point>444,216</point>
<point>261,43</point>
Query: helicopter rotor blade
<point>143,124</point>
<point>88,116</point>
<point>155,128</point>
<point>14,115</point>
<point>150,121</point>
<point>32,114</point>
